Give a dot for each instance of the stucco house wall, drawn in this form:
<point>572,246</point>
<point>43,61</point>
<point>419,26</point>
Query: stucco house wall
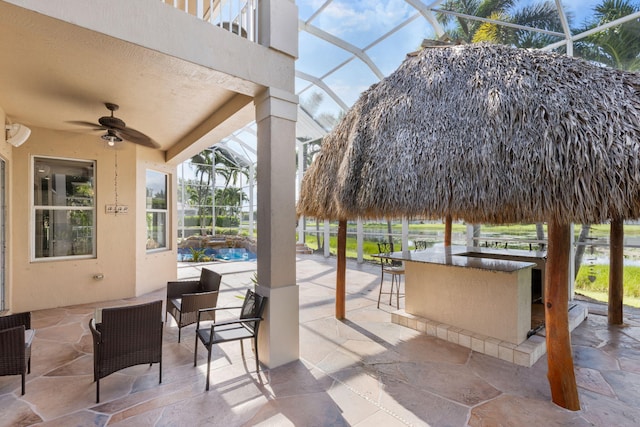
<point>121,257</point>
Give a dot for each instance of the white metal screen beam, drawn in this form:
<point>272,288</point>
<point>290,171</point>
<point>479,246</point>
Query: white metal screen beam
<point>602,27</point>
<point>372,44</point>
<point>496,22</point>
<point>322,85</point>
<point>426,12</point>
<point>359,53</point>
<point>565,28</point>
<point>319,11</point>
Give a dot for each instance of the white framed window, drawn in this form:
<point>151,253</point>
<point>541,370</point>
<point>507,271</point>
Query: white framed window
<point>63,208</point>
<point>156,210</point>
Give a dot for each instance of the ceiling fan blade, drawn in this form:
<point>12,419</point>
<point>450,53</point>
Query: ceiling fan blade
<point>117,129</point>
<point>137,137</point>
<point>95,126</point>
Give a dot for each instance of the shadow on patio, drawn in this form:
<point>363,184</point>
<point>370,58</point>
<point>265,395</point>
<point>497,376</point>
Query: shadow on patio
<point>361,371</point>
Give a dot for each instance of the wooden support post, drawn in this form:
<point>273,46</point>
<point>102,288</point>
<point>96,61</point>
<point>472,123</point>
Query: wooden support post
<point>447,230</point>
<point>616,271</point>
<point>341,270</point>
<point>561,375</point>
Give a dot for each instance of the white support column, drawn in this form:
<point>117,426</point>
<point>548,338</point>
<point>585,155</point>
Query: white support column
<point>405,234</point>
<point>278,26</point>
<point>181,213</point>
<point>360,240</point>
<point>301,222</point>
<point>572,262</point>
<point>279,334</point>
<point>214,172</point>
<point>473,232</point>
<point>327,238</point>
<point>470,235</point>
<point>199,9</point>
<point>252,174</point>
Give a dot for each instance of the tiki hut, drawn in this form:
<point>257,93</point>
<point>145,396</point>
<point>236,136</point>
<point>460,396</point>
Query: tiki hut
<point>490,134</point>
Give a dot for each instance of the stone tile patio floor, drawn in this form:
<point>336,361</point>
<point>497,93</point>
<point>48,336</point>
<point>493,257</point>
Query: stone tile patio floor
<point>364,371</point>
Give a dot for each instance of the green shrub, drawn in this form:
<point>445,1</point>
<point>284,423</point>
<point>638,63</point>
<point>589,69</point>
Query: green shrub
<point>368,247</point>
<point>194,221</point>
<point>595,278</point>
<point>225,231</point>
<point>198,254</point>
<point>227,221</point>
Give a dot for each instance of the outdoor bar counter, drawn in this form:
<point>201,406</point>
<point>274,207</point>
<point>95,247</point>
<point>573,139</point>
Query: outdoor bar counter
<point>485,291</point>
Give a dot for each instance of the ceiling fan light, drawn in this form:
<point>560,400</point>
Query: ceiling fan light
<point>111,138</point>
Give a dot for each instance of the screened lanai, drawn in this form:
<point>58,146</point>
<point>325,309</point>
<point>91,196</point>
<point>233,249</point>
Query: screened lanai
<point>362,371</point>
<point>346,46</point>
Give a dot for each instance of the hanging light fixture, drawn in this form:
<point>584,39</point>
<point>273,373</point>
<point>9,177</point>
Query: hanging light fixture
<point>111,137</point>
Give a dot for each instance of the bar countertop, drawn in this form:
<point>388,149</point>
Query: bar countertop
<point>499,260</point>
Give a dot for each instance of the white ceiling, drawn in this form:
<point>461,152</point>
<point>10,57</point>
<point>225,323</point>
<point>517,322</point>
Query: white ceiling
<point>54,72</point>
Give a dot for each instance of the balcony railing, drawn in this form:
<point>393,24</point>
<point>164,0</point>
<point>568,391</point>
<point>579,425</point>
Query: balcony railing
<point>237,16</point>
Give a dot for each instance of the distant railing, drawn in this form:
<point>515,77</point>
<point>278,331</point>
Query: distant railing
<point>237,16</point>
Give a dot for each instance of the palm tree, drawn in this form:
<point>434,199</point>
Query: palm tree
<point>617,47</point>
<point>542,15</point>
<point>230,198</point>
<point>209,163</point>
<point>310,149</point>
<point>231,168</point>
<point>201,194</point>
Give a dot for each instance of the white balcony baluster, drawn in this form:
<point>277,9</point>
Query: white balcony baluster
<point>239,16</point>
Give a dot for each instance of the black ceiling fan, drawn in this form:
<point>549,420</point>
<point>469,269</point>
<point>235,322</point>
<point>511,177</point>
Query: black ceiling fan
<point>117,129</point>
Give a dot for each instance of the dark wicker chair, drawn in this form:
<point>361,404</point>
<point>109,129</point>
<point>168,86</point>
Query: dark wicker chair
<point>16,337</point>
<point>393,268</point>
<point>245,326</point>
<point>184,299</point>
<point>126,336</point>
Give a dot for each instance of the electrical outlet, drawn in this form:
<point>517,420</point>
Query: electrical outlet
<point>122,209</point>
<point>110,209</point>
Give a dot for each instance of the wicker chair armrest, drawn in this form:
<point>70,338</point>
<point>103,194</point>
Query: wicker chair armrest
<point>214,309</point>
<point>196,301</point>
<point>234,321</point>
<point>29,334</point>
<point>97,336</point>
<point>177,289</point>
<point>220,308</point>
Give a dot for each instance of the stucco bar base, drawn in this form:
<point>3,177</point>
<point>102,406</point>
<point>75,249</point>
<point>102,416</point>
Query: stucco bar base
<point>493,299</point>
<point>525,354</point>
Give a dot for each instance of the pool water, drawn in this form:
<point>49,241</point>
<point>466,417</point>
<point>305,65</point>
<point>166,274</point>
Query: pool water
<point>222,254</point>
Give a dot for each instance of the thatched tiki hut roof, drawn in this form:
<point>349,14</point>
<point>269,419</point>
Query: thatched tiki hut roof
<point>485,133</point>
<point>489,134</point>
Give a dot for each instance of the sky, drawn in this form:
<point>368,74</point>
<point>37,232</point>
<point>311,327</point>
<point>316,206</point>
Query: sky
<point>362,23</point>
<point>581,9</point>
<point>385,30</point>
